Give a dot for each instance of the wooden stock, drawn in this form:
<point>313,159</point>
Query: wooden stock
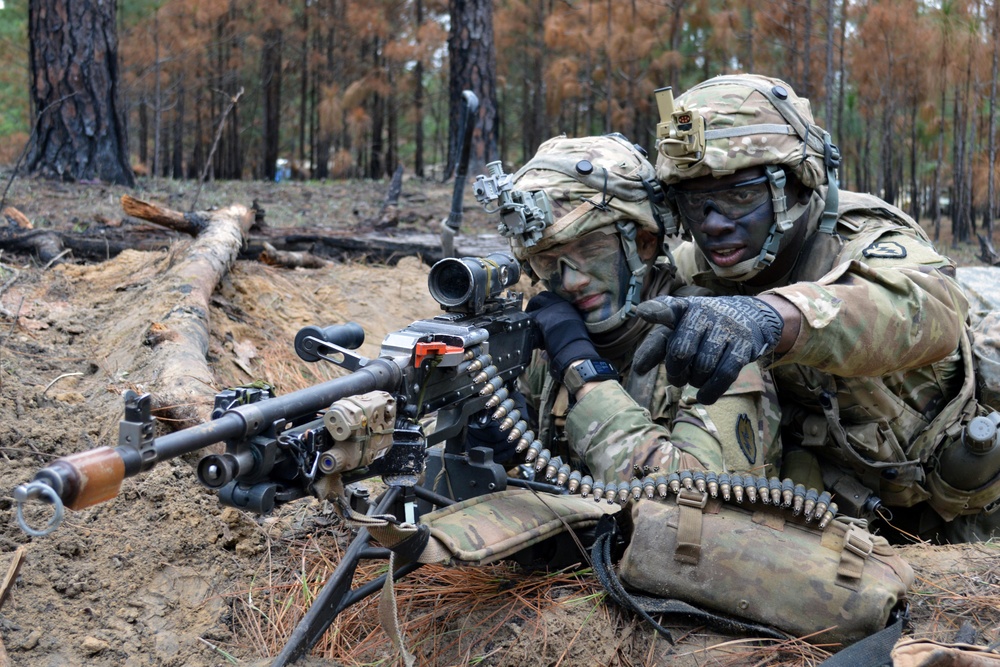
<point>98,476</point>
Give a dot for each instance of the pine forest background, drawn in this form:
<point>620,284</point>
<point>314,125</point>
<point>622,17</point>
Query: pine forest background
<point>355,88</point>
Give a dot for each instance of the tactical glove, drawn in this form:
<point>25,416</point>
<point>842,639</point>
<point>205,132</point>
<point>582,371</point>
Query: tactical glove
<point>706,341</point>
<point>484,431</point>
<point>563,332</point>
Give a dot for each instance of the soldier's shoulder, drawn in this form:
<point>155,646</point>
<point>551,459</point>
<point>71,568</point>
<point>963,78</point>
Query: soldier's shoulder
<point>863,213</point>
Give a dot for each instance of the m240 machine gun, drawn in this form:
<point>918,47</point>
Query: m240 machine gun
<point>365,424</point>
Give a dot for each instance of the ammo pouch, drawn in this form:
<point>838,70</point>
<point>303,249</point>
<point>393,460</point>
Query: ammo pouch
<point>765,565</point>
<point>483,529</point>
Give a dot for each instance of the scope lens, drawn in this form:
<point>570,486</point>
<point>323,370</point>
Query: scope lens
<point>451,283</point>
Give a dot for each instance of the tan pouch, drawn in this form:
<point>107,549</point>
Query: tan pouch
<point>491,527</point>
<point>926,653</point>
<point>483,529</point>
<point>762,564</point>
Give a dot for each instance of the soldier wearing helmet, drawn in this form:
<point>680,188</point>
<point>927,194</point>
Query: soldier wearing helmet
<point>840,294</point>
<point>584,217</point>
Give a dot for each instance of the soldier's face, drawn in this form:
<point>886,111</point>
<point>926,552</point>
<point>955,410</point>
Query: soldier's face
<point>730,217</point>
<point>591,273</point>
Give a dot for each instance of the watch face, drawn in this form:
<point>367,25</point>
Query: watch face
<point>603,367</point>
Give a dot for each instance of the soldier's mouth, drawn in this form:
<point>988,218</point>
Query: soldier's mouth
<point>726,256</point>
<point>589,303</point>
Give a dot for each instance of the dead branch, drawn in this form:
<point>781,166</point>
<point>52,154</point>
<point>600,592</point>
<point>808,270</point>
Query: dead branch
<point>12,572</point>
<point>215,143</point>
<point>389,215</point>
<point>191,224</point>
<point>16,218</point>
<point>291,260</point>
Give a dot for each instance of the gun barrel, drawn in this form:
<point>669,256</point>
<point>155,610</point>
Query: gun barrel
<point>87,478</point>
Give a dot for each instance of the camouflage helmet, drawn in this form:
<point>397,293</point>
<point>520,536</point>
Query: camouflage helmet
<point>749,121</point>
<point>591,183</point>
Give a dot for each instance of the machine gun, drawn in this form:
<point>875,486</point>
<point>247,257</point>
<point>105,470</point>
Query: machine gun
<point>365,424</point>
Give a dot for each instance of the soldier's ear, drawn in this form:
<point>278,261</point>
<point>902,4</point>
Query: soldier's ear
<point>795,190</point>
<point>646,245</point>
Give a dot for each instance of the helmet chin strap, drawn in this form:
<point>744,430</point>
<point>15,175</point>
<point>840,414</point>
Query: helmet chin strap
<point>783,222</point>
<point>626,232</point>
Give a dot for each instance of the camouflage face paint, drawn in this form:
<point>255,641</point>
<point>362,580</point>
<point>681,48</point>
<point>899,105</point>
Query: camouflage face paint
<point>591,273</point>
<point>726,241</point>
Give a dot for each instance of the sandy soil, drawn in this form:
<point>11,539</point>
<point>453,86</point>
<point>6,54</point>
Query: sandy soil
<point>162,575</point>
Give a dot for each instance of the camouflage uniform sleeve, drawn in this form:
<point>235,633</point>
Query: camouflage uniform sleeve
<point>612,433</point>
<point>892,307</point>
<point>531,382</point>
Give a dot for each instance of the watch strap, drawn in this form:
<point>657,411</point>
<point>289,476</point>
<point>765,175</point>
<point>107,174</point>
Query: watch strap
<point>590,370</point>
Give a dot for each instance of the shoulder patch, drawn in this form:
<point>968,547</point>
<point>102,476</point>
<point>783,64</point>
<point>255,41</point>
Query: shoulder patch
<point>885,250</point>
<point>745,438</point>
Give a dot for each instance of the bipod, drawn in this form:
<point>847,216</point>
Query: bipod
<point>337,594</point>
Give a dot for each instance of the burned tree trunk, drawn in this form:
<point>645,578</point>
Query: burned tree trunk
<point>472,55</point>
<point>73,57</point>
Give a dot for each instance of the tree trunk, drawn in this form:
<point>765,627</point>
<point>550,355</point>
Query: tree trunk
<point>73,61</point>
<point>914,187</point>
<point>143,133</point>
<point>472,66</point>
<point>304,88</point>
<point>992,146</point>
<point>828,74</point>
<point>178,156</point>
<point>418,96</point>
<point>936,188</point>
<point>807,49</point>
<point>157,97</point>
<point>270,75</point>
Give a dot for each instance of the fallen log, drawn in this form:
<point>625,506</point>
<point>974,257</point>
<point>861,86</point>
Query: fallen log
<point>191,224</point>
<point>19,235</point>
<point>291,260</point>
<point>164,341</point>
<point>184,381</point>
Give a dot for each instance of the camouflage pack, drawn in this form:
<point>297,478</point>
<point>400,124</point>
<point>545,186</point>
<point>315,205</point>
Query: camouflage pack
<point>483,529</point>
<point>765,565</point>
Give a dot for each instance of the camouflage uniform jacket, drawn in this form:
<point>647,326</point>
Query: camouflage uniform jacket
<point>880,376</point>
<point>643,421</point>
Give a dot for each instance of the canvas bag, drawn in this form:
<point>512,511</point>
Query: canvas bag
<point>764,565</point>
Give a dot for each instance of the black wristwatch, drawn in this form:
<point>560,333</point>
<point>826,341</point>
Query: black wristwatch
<point>591,370</point>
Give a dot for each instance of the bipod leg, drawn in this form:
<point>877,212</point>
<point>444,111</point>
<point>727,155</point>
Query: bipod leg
<point>337,594</point>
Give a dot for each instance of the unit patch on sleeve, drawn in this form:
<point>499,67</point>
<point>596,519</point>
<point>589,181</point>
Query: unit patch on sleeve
<point>745,438</point>
<point>885,250</point>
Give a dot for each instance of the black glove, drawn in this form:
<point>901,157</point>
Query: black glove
<point>706,341</point>
<point>564,333</point>
<point>483,431</point>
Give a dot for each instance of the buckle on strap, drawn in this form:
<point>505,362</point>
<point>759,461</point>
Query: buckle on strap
<point>692,498</point>
<point>858,543</point>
